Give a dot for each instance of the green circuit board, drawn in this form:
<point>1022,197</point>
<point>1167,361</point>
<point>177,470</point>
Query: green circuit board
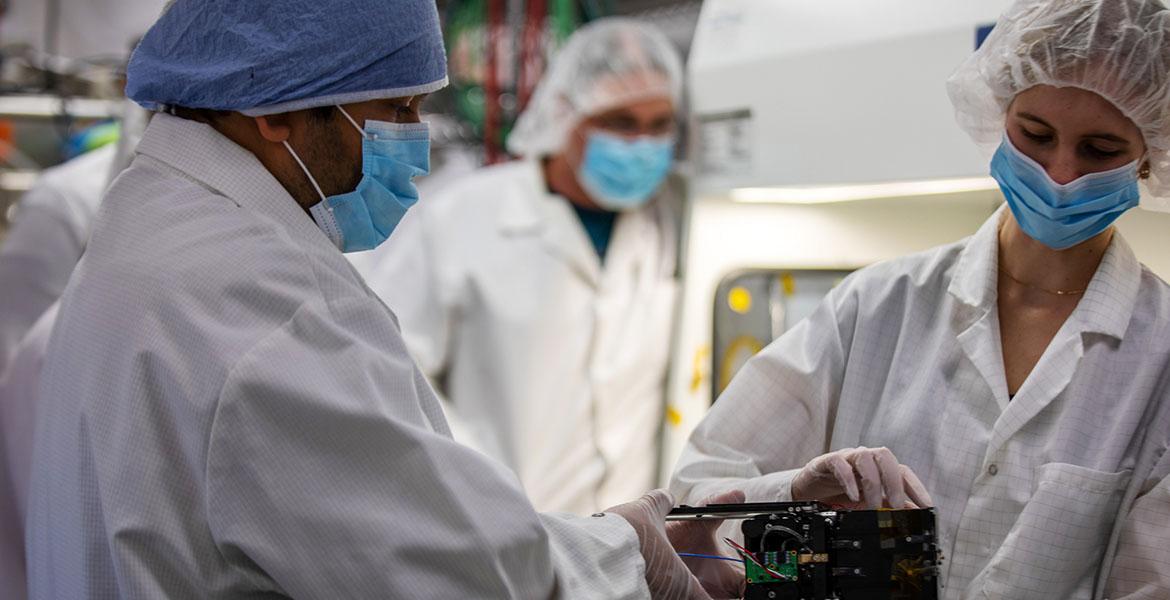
<point>785,564</point>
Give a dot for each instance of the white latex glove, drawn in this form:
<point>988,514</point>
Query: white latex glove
<point>860,478</point>
<point>721,579</point>
<point>666,575</point>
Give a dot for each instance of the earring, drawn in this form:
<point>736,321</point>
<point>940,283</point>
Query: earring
<point>1144,171</point>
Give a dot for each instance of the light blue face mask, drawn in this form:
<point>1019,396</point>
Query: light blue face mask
<point>1062,215</point>
<point>621,174</point>
<point>392,155</point>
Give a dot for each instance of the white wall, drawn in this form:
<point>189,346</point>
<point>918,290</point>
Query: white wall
<point>1149,235</point>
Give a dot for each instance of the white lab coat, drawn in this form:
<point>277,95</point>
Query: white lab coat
<point>18,400</point>
<point>549,361</point>
<point>46,240</point>
<point>1033,494</point>
<point>227,411</point>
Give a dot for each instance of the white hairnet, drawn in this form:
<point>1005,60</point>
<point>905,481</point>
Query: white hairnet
<point>605,64</point>
<point>1118,49</point>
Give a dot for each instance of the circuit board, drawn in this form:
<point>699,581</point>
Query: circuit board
<point>809,551</point>
<point>777,566</point>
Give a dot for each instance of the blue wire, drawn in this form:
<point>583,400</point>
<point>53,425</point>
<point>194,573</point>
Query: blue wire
<point>711,556</point>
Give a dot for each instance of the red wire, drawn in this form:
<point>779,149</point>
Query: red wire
<point>752,557</point>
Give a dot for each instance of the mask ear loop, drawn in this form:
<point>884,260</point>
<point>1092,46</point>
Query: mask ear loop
<point>305,169</point>
<point>361,131</point>
<point>301,163</point>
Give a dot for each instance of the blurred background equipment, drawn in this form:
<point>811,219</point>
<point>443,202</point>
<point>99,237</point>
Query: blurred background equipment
<point>498,51</point>
<point>755,306</point>
<point>62,68</point>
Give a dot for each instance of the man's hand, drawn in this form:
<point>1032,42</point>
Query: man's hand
<point>720,578</point>
<point>666,575</point>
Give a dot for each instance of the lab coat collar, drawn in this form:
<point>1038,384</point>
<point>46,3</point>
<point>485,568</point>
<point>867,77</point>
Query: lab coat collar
<point>1108,302</point>
<point>976,272</point>
<point>532,209</point>
<point>1105,309</point>
<point>212,160</point>
<point>520,213</point>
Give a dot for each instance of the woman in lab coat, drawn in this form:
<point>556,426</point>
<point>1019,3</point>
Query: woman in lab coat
<point>539,294</point>
<point>1023,374</point>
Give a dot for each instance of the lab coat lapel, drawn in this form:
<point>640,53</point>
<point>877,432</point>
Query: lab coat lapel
<point>1048,378</point>
<point>1104,310</point>
<point>976,317</point>
<point>625,247</point>
<point>533,210</point>
<point>980,341</point>
<point>565,238</point>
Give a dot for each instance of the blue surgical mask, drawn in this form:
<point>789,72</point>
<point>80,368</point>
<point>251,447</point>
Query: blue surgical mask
<point>393,154</point>
<point>1062,215</point>
<point>620,174</point>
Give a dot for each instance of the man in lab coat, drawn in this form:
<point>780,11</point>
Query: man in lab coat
<point>540,294</point>
<point>226,409</point>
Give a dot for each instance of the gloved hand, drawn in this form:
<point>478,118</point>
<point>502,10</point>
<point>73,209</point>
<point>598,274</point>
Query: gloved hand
<point>858,478</point>
<point>720,579</point>
<point>666,575</point>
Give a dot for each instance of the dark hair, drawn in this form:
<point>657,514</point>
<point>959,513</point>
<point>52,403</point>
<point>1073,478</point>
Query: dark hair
<point>319,114</point>
<point>202,115</point>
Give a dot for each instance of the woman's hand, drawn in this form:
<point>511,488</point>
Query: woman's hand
<point>867,478</point>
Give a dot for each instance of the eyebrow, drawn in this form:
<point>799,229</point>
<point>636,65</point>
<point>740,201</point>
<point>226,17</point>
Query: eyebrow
<point>1109,137</point>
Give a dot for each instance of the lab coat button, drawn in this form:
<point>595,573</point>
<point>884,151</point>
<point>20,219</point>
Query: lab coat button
<point>993,470</point>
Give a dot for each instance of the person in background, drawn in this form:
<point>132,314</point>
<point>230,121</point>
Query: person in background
<point>539,295</point>
<point>226,409</point>
<point>52,224</point>
<point>1023,373</point>
<point>66,200</point>
<point>46,240</point>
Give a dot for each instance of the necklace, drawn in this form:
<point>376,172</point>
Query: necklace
<point>1036,287</point>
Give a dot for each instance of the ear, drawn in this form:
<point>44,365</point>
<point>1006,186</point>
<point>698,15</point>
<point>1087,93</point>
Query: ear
<point>576,141</point>
<point>273,128</point>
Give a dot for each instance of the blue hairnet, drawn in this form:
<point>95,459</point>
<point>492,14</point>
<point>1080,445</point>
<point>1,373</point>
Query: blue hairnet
<point>263,57</point>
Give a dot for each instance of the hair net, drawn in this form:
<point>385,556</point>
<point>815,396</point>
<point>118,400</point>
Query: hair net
<point>273,56</point>
<point>605,64</point>
<point>1118,49</point>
